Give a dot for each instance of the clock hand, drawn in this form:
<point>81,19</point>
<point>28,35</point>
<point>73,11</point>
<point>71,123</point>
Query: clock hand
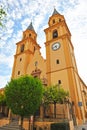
<point>56,46</point>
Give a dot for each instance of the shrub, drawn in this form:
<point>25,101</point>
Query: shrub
<point>60,126</point>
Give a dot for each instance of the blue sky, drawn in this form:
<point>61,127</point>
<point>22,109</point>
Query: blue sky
<point>22,12</point>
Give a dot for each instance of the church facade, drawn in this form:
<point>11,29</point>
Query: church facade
<point>59,67</point>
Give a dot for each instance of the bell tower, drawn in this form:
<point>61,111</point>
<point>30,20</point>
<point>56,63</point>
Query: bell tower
<point>59,49</point>
<point>25,51</point>
<point>61,64</point>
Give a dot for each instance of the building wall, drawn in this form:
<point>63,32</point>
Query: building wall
<point>60,64</point>
<point>41,64</point>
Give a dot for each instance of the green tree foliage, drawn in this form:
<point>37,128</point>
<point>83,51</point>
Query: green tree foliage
<point>54,94</point>
<point>2,99</point>
<point>2,15</point>
<point>24,95</point>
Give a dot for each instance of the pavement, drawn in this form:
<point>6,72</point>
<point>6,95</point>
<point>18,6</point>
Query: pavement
<point>81,127</point>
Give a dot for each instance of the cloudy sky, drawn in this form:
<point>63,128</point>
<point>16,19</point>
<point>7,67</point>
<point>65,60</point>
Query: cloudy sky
<point>22,12</point>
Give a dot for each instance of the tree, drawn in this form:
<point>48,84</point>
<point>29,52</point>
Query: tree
<point>54,94</point>
<point>2,15</point>
<point>3,108</point>
<point>23,96</point>
<point>2,103</point>
<point>2,99</point>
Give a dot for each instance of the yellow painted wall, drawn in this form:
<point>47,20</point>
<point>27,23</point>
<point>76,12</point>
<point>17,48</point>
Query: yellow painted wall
<point>41,64</point>
<point>66,70</point>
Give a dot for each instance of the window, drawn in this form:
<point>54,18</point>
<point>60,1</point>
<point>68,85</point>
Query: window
<point>20,59</point>
<point>55,34</point>
<point>59,20</point>
<point>57,61</point>
<point>22,47</point>
<point>53,21</point>
<point>35,76</point>
<point>34,48</point>
<point>86,103</point>
<point>73,103</point>
<point>18,72</point>
<point>36,63</point>
<point>29,35</point>
<point>59,81</point>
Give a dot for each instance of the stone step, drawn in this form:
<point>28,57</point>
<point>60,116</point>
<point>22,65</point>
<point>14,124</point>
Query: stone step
<point>81,127</point>
<point>12,126</point>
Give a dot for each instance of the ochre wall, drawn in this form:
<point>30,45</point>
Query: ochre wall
<point>66,70</point>
<point>41,64</point>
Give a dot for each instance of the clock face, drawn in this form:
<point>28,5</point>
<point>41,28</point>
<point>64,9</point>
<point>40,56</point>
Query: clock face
<point>56,46</point>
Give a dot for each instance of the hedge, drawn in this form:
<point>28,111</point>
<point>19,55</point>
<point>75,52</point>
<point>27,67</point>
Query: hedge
<point>60,126</point>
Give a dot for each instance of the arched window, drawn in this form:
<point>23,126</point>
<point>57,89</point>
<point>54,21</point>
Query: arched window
<point>22,47</point>
<point>18,72</point>
<point>34,48</point>
<point>53,21</point>
<point>55,34</point>
<point>59,20</point>
<point>30,35</point>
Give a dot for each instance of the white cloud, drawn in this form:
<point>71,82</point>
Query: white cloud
<point>7,60</point>
<point>76,19</point>
<point>9,24</point>
<point>25,23</point>
<point>4,80</point>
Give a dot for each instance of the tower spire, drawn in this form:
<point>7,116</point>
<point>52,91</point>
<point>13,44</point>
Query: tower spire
<point>30,27</point>
<point>55,12</point>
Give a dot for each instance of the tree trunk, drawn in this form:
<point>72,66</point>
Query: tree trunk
<point>54,109</point>
<point>21,122</point>
<point>29,124</point>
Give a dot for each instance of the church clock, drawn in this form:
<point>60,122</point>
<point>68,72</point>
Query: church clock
<point>55,46</point>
